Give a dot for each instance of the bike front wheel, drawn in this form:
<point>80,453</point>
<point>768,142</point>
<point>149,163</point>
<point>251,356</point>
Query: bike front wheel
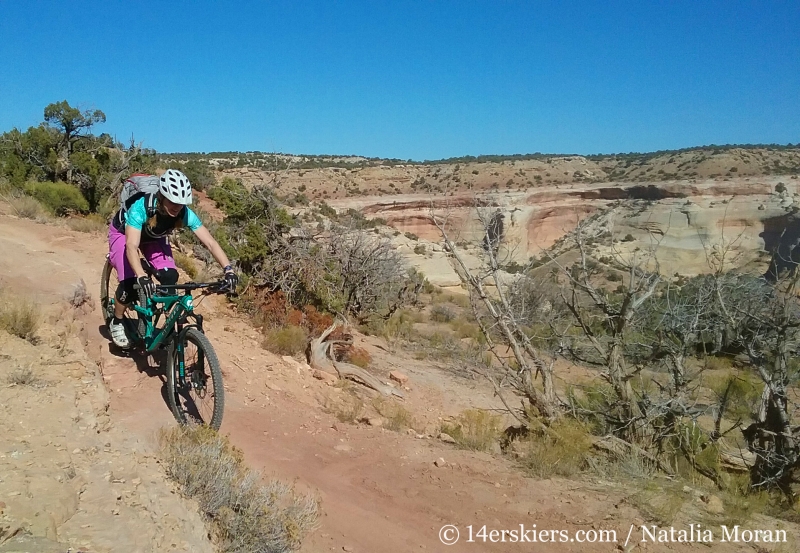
<point>194,380</point>
<point>108,285</point>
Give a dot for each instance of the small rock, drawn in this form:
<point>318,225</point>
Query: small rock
<point>76,451</point>
<point>399,377</point>
<point>326,377</point>
<point>447,438</point>
<point>440,462</point>
<point>375,421</point>
<point>346,548</point>
<point>342,447</point>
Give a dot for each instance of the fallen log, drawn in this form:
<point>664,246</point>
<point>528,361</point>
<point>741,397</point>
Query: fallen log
<point>320,357</point>
<point>739,460</point>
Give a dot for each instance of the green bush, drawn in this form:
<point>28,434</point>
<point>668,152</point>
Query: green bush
<point>286,340</point>
<point>61,198</point>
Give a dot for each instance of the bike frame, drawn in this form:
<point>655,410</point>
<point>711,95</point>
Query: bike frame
<point>176,307</point>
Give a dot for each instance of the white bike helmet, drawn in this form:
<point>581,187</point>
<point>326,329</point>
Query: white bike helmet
<point>175,187</point>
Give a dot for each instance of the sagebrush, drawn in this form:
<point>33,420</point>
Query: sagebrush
<point>247,514</point>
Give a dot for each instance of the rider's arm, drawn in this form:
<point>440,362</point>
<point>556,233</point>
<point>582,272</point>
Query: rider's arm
<point>213,246</point>
<point>132,238</point>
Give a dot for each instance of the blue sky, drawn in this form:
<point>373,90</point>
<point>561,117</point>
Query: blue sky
<point>410,79</point>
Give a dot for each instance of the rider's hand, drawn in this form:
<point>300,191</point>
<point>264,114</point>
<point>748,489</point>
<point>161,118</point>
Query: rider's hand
<point>231,280</point>
<point>147,287</point>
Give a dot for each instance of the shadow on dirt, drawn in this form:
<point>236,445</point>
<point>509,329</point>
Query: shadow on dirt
<point>152,364</point>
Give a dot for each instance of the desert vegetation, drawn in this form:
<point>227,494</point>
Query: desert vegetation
<point>694,379</point>
<point>247,514</point>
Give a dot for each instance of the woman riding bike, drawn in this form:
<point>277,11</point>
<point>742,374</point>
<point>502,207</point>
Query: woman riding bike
<point>132,230</point>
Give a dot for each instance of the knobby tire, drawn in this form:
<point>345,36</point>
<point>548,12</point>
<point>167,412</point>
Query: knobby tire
<point>183,401</point>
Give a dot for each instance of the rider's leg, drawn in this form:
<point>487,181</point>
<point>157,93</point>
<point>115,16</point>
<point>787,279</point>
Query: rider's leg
<point>159,254</point>
<point>125,292</point>
<point>124,295</point>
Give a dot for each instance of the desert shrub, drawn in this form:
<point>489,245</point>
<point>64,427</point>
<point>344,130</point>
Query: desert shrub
<point>314,321</point>
<point>61,198</point>
<point>411,236</point>
<point>460,300</point>
<point>90,224</point>
<point>26,207</point>
<point>246,514</point>
<point>22,376</point>
<point>718,363</point>
<point>561,449</point>
<point>659,500</point>
<point>286,340</point>
<point>475,429</point>
<point>20,317</point>
<point>186,263</point>
<point>400,326</point>
<point>466,329</point>
<point>397,417</point>
<point>628,238</point>
<point>419,249</point>
<point>442,314</point>
<point>742,393</point>
<point>357,356</point>
<point>269,309</point>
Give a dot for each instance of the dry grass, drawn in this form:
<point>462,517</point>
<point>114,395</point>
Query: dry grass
<point>90,224</point>
<point>349,408</point>
<point>659,500</point>
<point>22,377</point>
<point>475,429</point>
<point>286,340</point>
<point>27,207</point>
<point>563,449</point>
<point>247,514</point>
<point>20,317</point>
<point>397,417</point>
<point>442,313</point>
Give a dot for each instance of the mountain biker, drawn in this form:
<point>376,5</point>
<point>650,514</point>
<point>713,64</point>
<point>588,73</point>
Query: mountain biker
<point>132,230</point>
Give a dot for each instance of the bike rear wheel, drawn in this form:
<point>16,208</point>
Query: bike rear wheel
<point>198,396</point>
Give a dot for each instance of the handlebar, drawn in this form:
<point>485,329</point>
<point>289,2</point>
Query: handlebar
<point>218,287</point>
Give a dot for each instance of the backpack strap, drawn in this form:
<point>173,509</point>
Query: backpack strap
<point>151,204</point>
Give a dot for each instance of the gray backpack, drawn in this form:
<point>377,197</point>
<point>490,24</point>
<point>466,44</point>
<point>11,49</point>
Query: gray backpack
<point>139,186</point>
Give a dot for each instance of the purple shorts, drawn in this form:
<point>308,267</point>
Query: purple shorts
<point>157,252</point>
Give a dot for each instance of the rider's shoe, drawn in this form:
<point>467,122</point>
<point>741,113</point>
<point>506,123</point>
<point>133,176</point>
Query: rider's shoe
<point>118,335</point>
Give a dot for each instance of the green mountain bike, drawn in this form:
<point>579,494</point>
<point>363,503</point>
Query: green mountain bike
<point>194,377</point>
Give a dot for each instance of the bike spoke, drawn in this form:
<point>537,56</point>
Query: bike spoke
<point>197,389</point>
